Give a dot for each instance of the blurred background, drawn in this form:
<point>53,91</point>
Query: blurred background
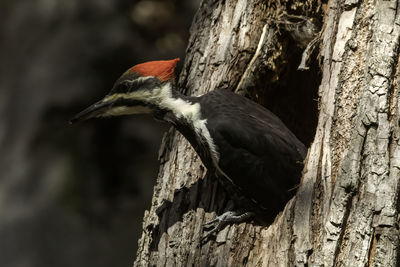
<point>76,195</point>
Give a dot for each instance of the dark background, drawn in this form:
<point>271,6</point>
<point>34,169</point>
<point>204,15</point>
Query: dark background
<point>76,195</point>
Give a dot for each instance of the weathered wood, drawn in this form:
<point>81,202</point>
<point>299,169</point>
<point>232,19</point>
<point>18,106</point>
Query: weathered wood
<point>345,211</point>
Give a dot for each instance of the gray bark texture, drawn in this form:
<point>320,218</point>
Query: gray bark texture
<point>345,212</point>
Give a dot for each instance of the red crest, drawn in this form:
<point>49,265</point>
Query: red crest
<point>164,70</point>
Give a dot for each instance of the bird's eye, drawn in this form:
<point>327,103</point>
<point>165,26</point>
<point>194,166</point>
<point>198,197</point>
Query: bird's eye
<point>123,87</point>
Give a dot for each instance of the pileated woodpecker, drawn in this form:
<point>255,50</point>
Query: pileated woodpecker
<point>256,158</point>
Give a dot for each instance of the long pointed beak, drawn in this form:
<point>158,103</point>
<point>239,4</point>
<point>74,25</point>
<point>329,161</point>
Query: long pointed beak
<point>93,111</point>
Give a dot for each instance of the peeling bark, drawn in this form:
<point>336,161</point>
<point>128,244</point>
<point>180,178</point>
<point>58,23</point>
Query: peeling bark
<point>345,212</point>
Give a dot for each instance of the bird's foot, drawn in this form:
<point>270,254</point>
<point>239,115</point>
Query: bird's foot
<point>225,218</point>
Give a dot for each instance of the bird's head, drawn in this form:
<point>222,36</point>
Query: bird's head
<point>141,89</point>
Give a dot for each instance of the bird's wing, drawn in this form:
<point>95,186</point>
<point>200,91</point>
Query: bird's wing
<point>264,166</point>
<point>257,151</point>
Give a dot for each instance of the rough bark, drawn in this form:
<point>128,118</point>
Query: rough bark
<point>345,212</point>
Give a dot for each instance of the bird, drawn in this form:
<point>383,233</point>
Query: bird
<point>254,156</point>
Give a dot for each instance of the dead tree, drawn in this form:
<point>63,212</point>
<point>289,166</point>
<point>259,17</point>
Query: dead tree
<point>345,212</point>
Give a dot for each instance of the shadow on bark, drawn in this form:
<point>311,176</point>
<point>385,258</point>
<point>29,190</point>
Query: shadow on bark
<point>201,195</point>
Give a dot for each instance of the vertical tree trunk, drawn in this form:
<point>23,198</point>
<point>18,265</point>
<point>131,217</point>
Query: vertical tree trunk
<point>345,212</point>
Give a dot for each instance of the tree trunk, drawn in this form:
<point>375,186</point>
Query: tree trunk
<point>345,212</point>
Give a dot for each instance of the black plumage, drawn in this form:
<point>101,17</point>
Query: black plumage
<point>261,156</point>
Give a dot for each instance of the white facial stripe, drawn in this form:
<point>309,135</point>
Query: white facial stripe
<point>124,110</point>
<point>142,95</point>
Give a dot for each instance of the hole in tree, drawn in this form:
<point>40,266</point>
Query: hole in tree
<point>294,96</point>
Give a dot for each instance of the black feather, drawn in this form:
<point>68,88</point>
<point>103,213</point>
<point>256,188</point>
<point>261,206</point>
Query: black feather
<point>257,151</point>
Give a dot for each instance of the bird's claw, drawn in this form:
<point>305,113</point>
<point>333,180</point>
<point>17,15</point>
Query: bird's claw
<point>225,218</point>
<point>212,221</point>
